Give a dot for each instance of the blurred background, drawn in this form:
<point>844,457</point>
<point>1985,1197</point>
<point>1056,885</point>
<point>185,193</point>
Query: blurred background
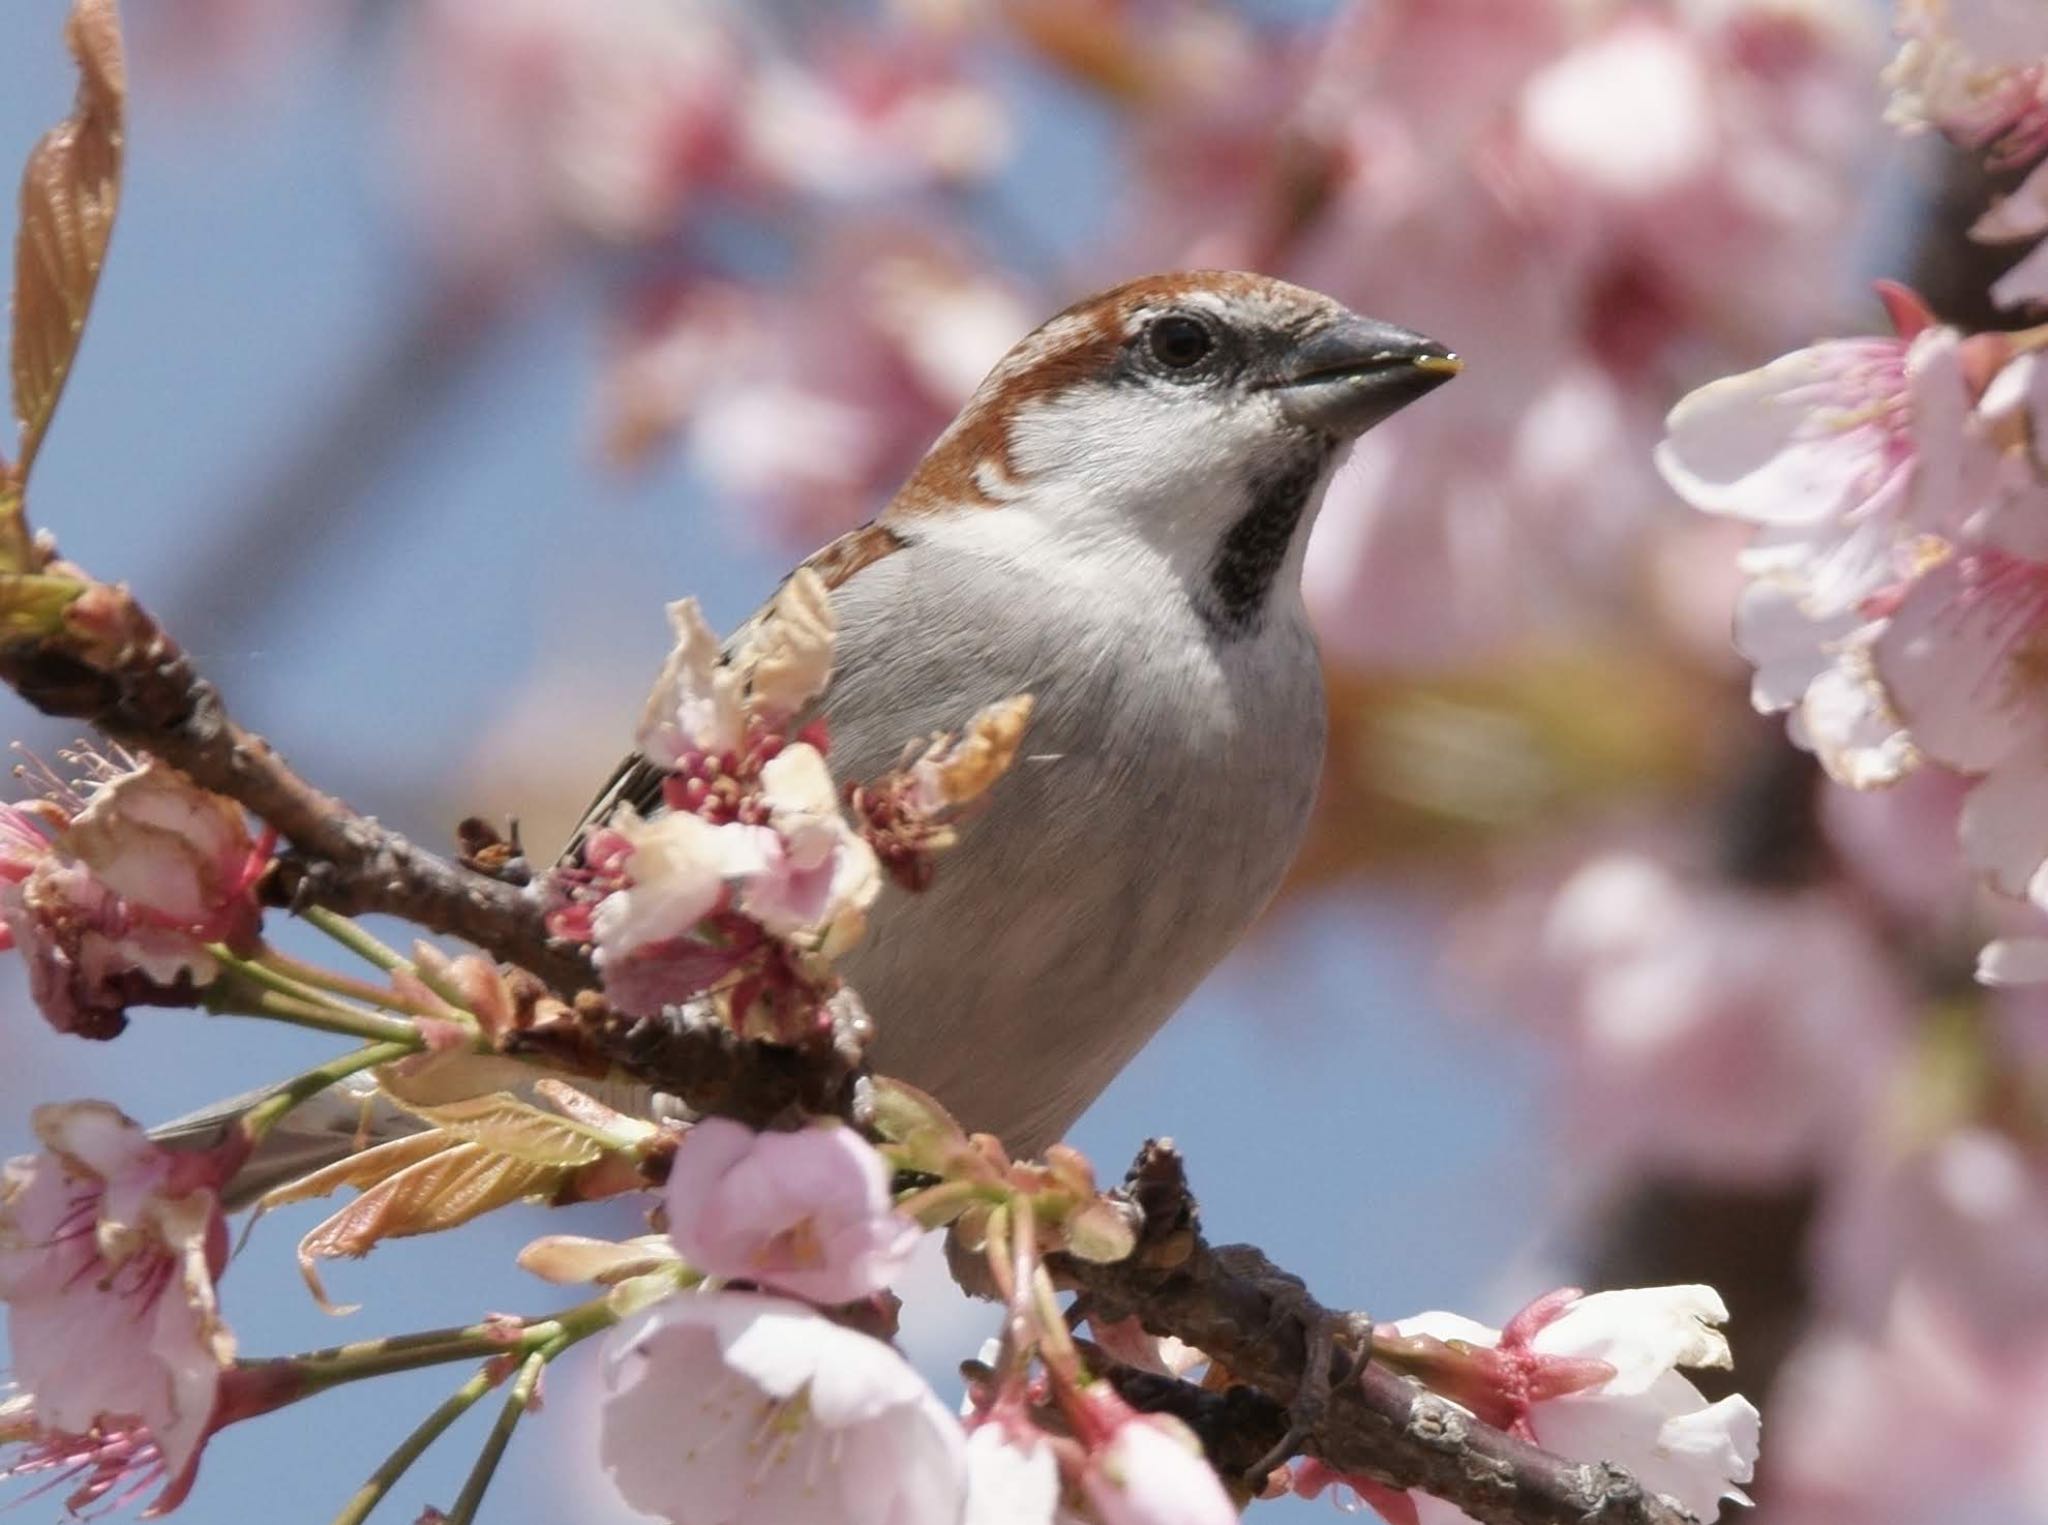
<point>443,341</point>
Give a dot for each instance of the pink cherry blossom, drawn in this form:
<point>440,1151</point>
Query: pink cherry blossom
<point>1012,1476</point>
<point>806,1212</point>
<point>696,705</point>
<point>1919,1416</point>
<point>112,890</point>
<point>1716,1032</point>
<point>672,872</point>
<point>109,1247</point>
<point>530,121</point>
<point>819,875</point>
<point>1846,451</point>
<point>830,388</point>
<point>732,1408</point>
<point>1962,1215</point>
<point>177,856</point>
<point>1616,189</point>
<point>1977,70</point>
<point>1598,1378</point>
<point>1147,1469</point>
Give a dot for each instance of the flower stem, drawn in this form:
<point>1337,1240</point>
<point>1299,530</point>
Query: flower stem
<point>331,983</point>
<point>262,1117</point>
<point>318,1370</point>
<point>413,1447</point>
<point>516,1404</point>
<point>355,939</point>
<point>385,957</point>
<point>250,990</point>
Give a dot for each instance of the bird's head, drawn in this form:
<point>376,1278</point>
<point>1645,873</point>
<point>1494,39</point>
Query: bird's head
<point>1178,413</point>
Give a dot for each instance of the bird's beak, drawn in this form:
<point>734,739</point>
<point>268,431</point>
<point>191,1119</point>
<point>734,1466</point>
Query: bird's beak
<point>1346,377</point>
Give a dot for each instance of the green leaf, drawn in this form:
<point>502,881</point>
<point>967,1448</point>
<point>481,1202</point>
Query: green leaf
<point>31,603</point>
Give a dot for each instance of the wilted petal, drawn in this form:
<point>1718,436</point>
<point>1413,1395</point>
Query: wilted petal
<point>790,655</point>
<point>676,872</point>
<point>695,704</point>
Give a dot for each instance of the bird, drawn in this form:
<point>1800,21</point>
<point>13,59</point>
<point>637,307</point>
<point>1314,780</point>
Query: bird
<point>1114,523</point>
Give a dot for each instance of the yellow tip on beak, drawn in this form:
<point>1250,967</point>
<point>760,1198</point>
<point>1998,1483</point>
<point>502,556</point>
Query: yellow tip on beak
<point>1438,365</point>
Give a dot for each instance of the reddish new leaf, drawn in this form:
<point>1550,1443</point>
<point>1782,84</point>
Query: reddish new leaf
<point>446,1189</point>
<point>68,195</point>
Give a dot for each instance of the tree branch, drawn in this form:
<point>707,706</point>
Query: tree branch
<point>107,663</point>
<point>1260,1322</point>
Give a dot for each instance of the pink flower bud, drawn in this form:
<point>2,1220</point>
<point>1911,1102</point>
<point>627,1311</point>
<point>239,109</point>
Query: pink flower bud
<point>807,1213</point>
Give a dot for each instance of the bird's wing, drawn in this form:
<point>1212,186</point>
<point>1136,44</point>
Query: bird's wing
<point>636,781</point>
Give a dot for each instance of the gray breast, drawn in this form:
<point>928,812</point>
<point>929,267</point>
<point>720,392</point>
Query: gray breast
<point>1161,793</point>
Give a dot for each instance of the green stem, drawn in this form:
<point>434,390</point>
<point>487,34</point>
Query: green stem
<point>385,957</point>
<point>355,939</point>
<point>414,1446</point>
<point>250,990</point>
<point>317,1370</point>
<point>516,1404</point>
<point>262,1117</point>
<point>330,983</point>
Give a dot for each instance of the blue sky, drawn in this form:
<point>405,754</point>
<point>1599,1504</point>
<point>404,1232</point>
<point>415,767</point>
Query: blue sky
<point>1332,1113</point>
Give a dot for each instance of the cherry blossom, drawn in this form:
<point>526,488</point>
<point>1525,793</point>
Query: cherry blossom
<point>532,121</point>
<point>109,1247</point>
<point>113,889</point>
<point>751,852</point>
<point>1977,70</point>
<point>1596,1378</point>
<point>819,875</point>
<point>828,389</point>
<point>1962,1215</point>
<point>1012,1477</point>
<point>1715,1031</point>
<point>807,1212</point>
<point>1921,1415</point>
<point>1147,1469</point>
<point>734,1408</point>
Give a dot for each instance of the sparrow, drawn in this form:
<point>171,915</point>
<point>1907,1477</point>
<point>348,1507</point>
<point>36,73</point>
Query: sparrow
<point>1114,524</point>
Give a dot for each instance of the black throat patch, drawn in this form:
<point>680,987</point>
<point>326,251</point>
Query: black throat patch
<point>1249,557</point>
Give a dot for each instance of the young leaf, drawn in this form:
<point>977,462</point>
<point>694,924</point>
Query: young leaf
<point>68,195</point>
<point>503,1124</point>
<point>445,1190</point>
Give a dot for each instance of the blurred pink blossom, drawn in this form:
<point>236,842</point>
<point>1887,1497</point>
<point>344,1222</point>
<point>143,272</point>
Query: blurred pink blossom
<point>1581,201</point>
<point>806,1213</point>
<point>1710,1030</point>
<point>109,1247</point>
<point>1926,1418</point>
<point>732,1408</point>
<point>531,125</point>
<point>809,403</point>
<point>527,120</point>
<point>1961,1214</point>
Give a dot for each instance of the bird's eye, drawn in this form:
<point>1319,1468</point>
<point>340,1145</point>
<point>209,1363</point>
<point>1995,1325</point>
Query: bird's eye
<point>1179,342</point>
